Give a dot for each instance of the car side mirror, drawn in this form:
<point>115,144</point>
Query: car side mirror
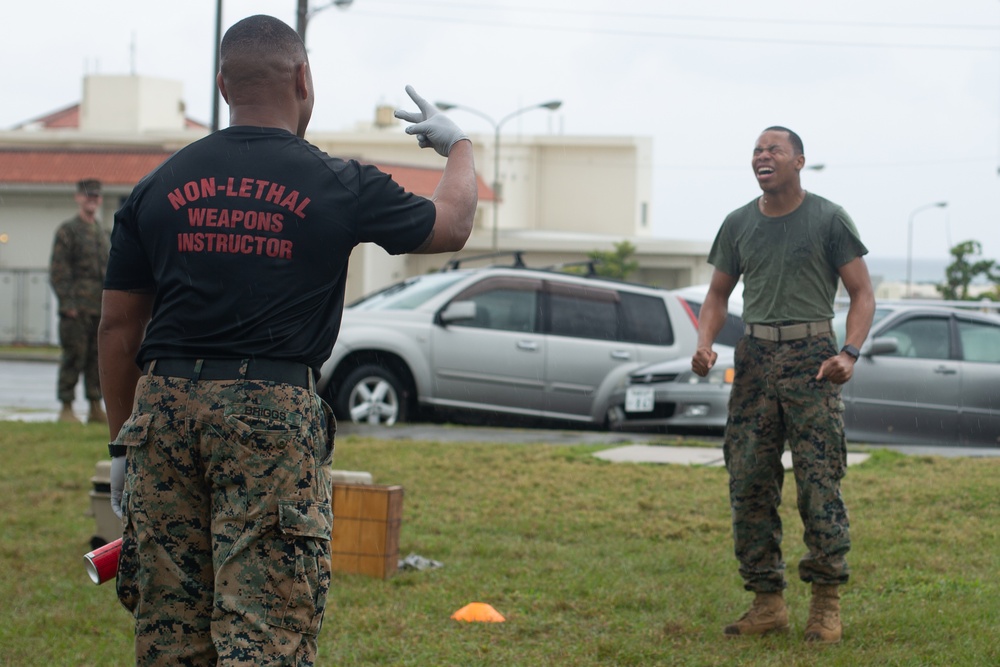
<point>457,311</point>
<point>880,346</point>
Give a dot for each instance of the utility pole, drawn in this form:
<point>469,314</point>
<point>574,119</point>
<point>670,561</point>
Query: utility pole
<point>303,13</point>
<point>215,86</point>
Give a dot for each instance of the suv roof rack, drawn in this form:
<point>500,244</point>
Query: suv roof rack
<point>518,262</point>
<point>589,263</point>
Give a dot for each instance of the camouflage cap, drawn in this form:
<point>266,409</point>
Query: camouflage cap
<point>90,187</point>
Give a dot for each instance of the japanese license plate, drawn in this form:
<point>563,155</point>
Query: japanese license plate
<point>639,399</point>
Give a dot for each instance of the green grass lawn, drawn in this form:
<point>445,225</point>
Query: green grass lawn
<point>592,563</point>
<point>15,352</point>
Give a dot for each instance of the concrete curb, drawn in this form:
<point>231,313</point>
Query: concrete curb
<point>701,456</point>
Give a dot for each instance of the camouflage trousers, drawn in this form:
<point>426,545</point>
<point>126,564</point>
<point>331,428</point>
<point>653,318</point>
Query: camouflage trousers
<point>776,398</point>
<point>227,522</point>
<point>78,338</point>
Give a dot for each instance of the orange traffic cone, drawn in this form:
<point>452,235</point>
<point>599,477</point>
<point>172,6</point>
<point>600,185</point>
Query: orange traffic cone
<point>478,612</point>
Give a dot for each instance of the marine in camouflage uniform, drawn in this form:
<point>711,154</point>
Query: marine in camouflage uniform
<point>76,272</point>
<point>775,399</point>
<point>223,298</point>
<point>206,458</point>
<point>791,248</point>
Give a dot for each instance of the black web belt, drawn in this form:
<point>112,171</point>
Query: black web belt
<point>267,370</point>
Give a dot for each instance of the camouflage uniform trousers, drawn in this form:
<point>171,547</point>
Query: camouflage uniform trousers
<point>227,522</point>
<point>776,397</point>
<point>78,337</point>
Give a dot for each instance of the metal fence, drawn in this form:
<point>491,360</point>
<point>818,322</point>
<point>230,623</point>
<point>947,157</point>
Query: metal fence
<point>27,308</point>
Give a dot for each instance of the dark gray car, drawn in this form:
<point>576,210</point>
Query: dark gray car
<point>927,375</point>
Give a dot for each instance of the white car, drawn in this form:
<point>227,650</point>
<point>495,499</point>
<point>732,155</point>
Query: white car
<point>671,396</point>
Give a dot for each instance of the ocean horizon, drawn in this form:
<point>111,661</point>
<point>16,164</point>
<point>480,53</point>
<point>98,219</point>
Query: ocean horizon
<point>893,269</point>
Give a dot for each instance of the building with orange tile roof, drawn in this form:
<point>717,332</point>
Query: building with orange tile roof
<point>563,197</point>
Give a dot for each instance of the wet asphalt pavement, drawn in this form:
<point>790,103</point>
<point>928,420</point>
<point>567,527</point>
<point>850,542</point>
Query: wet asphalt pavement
<point>28,393</point>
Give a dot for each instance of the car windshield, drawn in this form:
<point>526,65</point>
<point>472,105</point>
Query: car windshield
<point>840,322</point>
<point>408,294</point>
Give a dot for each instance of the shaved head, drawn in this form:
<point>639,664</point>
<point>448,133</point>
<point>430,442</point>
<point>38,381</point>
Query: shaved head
<point>256,54</point>
<point>795,139</point>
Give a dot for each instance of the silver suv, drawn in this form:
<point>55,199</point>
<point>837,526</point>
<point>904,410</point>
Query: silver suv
<point>533,343</point>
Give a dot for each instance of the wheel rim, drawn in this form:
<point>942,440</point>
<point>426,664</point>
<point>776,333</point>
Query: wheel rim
<point>374,401</point>
<point>616,418</point>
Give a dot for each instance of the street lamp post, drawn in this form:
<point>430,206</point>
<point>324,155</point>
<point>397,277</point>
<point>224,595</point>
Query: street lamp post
<point>303,14</point>
<point>497,125</point>
<point>909,243</point>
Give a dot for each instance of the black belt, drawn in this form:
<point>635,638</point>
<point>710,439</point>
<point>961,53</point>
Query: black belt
<point>268,370</point>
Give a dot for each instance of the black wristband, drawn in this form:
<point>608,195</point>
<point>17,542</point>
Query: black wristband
<point>116,450</point>
<point>851,351</point>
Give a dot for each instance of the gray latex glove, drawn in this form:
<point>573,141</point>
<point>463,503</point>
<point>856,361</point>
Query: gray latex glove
<point>433,128</point>
<point>117,484</point>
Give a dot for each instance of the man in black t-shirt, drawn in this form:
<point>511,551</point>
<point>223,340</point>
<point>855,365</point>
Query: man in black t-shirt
<point>223,296</point>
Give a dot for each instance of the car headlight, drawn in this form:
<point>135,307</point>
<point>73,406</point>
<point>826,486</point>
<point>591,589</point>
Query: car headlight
<point>719,375</point>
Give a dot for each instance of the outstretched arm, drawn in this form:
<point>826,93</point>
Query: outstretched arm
<point>457,195</point>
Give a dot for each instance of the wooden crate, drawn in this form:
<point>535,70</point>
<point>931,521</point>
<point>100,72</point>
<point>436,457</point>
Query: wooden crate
<point>366,522</point>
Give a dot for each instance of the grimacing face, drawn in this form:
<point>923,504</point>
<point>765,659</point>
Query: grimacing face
<point>775,163</point>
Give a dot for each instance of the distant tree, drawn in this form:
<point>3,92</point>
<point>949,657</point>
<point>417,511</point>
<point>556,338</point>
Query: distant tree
<point>964,269</point>
<point>615,264</point>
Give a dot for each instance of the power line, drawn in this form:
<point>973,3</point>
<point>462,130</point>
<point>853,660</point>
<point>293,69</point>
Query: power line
<point>535,9</point>
<point>532,24</point>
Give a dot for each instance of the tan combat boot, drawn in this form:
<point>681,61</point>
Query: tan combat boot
<point>823,625</point>
<point>767,614</point>
<point>66,414</point>
<point>97,414</point>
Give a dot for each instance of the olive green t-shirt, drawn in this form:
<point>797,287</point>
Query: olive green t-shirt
<point>789,263</point>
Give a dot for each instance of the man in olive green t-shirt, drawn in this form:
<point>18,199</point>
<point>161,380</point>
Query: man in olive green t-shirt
<point>791,247</point>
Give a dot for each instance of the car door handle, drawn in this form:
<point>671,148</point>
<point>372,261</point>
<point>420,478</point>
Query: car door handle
<point>527,345</point>
<point>624,355</point>
<point>944,370</point>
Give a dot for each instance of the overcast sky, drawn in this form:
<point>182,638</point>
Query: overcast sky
<point>898,99</point>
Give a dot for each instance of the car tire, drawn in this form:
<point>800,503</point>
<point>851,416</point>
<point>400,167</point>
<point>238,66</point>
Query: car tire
<point>614,419</point>
<point>373,395</point>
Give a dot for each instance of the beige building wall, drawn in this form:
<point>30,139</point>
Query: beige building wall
<point>593,185</point>
<point>598,185</point>
<point>562,197</point>
<point>130,105</point>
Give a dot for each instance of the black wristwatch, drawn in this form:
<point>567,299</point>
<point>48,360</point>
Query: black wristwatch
<point>116,450</point>
<point>851,351</point>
